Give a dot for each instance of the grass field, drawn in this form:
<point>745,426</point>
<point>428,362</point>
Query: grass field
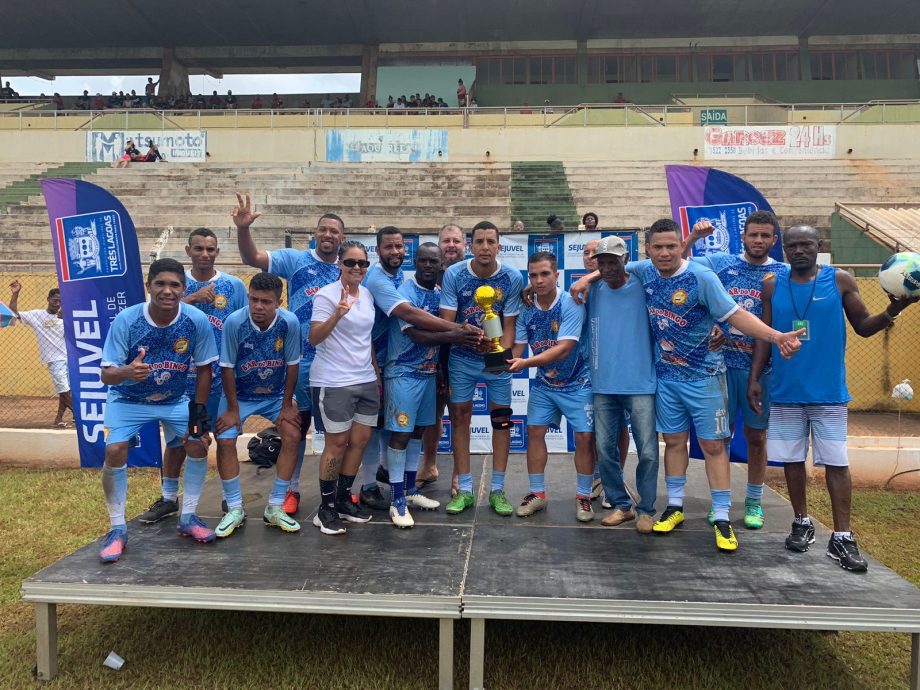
<point>45,514</point>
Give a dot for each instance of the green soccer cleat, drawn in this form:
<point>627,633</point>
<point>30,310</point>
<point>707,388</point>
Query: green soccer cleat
<point>753,514</point>
<point>460,502</point>
<point>274,516</point>
<point>234,518</point>
<point>500,504</point>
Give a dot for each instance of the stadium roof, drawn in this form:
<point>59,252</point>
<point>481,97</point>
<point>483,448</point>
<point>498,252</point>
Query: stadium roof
<point>896,226</point>
<point>51,24</point>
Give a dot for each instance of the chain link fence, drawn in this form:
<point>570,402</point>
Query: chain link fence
<point>874,365</point>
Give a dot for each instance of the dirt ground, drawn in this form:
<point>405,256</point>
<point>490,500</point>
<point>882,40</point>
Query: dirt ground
<point>38,413</point>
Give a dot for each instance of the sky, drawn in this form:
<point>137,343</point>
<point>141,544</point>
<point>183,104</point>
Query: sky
<point>238,83</point>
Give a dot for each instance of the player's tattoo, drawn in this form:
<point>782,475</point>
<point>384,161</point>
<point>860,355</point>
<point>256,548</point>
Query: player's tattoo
<point>330,468</point>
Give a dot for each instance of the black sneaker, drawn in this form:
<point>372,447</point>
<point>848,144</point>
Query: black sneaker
<point>160,509</point>
<point>846,553</point>
<point>374,499</point>
<point>352,511</point>
<point>328,521</point>
<point>801,537</point>
<point>383,475</point>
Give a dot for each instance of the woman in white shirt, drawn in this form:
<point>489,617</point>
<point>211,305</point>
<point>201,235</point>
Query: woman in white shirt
<point>344,383</point>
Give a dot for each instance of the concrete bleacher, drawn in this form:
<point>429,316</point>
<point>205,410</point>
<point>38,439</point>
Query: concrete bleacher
<point>421,197</point>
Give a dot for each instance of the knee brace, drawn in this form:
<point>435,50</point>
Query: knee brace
<point>501,418</point>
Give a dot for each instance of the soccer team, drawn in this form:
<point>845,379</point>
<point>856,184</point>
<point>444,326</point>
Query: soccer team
<point>372,359</point>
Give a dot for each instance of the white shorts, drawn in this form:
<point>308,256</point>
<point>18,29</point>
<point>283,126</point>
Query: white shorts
<point>59,378</point>
<point>790,425</point>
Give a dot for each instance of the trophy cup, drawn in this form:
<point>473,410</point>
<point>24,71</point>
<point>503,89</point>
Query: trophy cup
<point>496,359</point>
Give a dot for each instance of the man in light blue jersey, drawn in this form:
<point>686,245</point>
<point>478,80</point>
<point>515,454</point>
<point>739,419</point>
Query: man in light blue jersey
<point>742,276</point>
<point>552,328</point>
<point>409,383</point>
<point>218,295</point>
<point>146,358</point>
<point>306,271</point>
<point>685,300</point>
<point>384,280</point>
<point>622,366</point>
<point>466,367</point>
<point>809,394</point>
<point>259,359</point>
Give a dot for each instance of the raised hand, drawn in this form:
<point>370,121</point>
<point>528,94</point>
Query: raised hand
<point>702,228</point>
<point>138,369</point>
<point>899,303</point>
<point>344,305</point>
<point>243,215</point>
<point>15,287</point>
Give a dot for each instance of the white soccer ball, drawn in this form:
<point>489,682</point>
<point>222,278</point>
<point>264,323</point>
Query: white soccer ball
<point>900,275</point>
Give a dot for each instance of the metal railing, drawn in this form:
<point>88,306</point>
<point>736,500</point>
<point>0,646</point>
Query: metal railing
<point>583,115</point>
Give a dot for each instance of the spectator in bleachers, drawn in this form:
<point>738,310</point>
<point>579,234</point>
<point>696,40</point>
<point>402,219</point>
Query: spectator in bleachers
<point>442,103</point>
<point>473,103</point>
<point>134,100</point>
<point>256,103</point>
<point>518,226</point>
<point>620,98</point>
<point>83,101</point>
<point>150,90</point>
<point>230,100</point>
<point>589,220</point>
<point>8,93</point>
<point>326,102</point>
<point>400,103</point>
<point>113,101</point>
<point>555,223</point>
<point>390,102</point>
<point>347,102</point>
<point>526,109</point>
<point>547,108</point>
<point>461,94</point>
<point>98,102</point>
<point>276,101</point>
<point>58,101</point>
<point>131,153</point>
<point>372,103</point>
<point>215,102</point>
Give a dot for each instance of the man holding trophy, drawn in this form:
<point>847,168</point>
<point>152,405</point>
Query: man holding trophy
<point>485,293</point>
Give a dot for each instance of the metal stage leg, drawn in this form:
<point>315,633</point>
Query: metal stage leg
<point>446,654</point>
<point>914,661</point>
<point>46,640</point>
<point>477,653</point>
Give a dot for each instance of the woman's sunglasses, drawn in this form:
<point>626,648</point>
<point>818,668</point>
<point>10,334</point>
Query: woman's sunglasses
<point>351,263</point>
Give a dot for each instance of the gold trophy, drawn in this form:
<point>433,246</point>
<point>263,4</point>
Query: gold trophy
<point>496,359</point>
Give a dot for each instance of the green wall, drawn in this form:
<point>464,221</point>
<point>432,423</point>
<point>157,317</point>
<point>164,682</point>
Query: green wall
<point>850,245</point>
<point>440,80</point>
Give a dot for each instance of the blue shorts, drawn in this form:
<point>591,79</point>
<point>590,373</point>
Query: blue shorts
<point>123,420</point>
<point>547,407</point>
<point>678,403</point>
<point>213,406</point>
<point>737,382</point>
<point>410,402</point>
<point>464,374</point>
<point>302,393</point>
<point>269,408</point>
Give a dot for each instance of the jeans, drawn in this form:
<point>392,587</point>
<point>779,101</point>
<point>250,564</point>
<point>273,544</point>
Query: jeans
<point>609,414</point>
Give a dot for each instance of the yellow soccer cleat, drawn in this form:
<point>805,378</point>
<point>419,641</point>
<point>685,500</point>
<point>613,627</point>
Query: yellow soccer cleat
<point>670,518</point>
<point>725,536</point>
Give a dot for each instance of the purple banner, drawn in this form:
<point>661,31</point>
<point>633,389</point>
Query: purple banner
<point>99,273</point>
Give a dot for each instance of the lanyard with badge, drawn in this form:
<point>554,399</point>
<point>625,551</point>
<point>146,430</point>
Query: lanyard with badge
<point>800,322</point>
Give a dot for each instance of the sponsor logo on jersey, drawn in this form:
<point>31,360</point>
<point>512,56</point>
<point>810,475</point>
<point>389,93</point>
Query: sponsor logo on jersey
<point>180,347</point>
<point>220,302</point>
<point>279,344</point>
<point>402,419</point>
<point>679,298</point>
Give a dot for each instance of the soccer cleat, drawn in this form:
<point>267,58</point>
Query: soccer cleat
<point>352,511</point>
<point>417,500</point>
<point>328,521</point>
<point>460,502</point>
<point>114,544</point>
<point>725,536</point>
<point>382,475</point>
<point>373,499</point>
<point>801,536</point>
<point>196,529</point>
<point>711,518</point>
<point>532,503</point>
<point>670,518</point>
<point>597,488</point>
<point>291,502</point>
<point>644,524</point>
<point>583,510</point>
<point>235,517</point>
<point>753,514</point>
<point>274,516</point>
<point>845,551</point>
<point>500,504</point>
<point>400,516</point>
<point>618,517</point>
<point>160,509</point>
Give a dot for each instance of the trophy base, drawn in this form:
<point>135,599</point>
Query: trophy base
<point>496,362</point>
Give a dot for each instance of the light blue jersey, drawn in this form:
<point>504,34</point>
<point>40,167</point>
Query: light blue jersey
<point>743,281</point>
<point>682,310</point>
<point>170,351</point>
<point>260,359</point>
<point>305,273</point>
<point>543,329</point>
<point>618,332</point>
<point>229,295</point>
<point>385,290</point>
<point>457,292</point>
<point>404,357</point>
